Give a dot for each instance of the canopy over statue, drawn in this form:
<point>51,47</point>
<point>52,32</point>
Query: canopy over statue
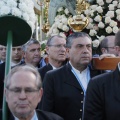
<point>55,4</point>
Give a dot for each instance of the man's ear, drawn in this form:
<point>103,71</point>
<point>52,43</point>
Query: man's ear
<point>103,50</point>
<point>47,50</point>
<point>117,48</point>
<point>6,94</point>
<point>40,94</point>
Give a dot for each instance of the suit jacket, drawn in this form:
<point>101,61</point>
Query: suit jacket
<point>62,93</point>
<point>44,70</point>
<point>2,71</point>
<point>103,97</point>
<point>42,115</point>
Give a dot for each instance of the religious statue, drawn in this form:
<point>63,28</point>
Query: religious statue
<point>55,4</point>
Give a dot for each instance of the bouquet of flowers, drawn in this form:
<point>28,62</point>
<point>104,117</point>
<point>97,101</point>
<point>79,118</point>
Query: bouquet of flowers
<point>20,8</point>
<point>60,25</point>
<point>104,17</point>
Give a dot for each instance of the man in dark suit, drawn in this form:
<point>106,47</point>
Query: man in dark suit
<point>56,50</point>
<point>23,92</point>
<point>103,97</point>
<point>65,88</point>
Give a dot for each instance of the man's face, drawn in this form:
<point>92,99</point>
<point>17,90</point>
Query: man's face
<point>32,54</point>
<point>23,94</point>
<point>16,54</point>
<point>2,52</point>
<point>57,50</point>
<point>80,52</point>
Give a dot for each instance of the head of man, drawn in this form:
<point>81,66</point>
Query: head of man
<point>23,91</point>
<point>32,53</point>
<point>117,43</point>
<point>2,53</point>
<point>16,54</point>
<point>56,49</point>
<point>107,45</point>
<point>79,46</point>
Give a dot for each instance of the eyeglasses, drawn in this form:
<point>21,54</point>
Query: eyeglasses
<point>58,46</point>
<point>111,47</point>
<point>28,91</point>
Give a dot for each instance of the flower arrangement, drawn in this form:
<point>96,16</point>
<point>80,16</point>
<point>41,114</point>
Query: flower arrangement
<point>60,25</point>
<point>104,17</point>
<point>20,8</point>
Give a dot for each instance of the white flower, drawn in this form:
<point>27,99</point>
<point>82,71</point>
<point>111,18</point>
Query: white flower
<point>115,3</point>
<point>62,34</point>
<point>118,5</point>
<point>111,7</point>
<point>55,31</point>
<point>11,3</point>
<point>92,33</point>
<point>108,29</point>
<point>66,11</point>
<point>65,28</point>
<point>101,25</point>
<point>90,26</point>
<point>98,18</point>
<point>107,19</point>
<point>23,7</point>
<point>101,38</point>
<point>110,14</point>
<point>100,2</point>
<point>93,7</point>
<point>60,25</point>
<point>4,10</point>
<point>118,17</point>
<point>118,11</point>
<point>113,23</point>
<point>2,4</point>
<point>99,9</point>
<point>115,29</point>
<point>95,43</point>
<point>64,21</point>
<point>60,9</point>
<point>16,12</point>
<point>25,16</point>
<point>87,12</point>
<point>108,1</point>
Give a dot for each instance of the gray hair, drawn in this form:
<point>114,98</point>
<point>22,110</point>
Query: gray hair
<point>117,38</point>
<point>31,41</point>
<point>49,41</point>
<point>104,43</point>
<point>75,35</point>
<point>25,68</point>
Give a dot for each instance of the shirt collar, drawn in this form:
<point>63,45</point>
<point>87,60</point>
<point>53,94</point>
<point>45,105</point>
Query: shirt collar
<point>77,71</point>
<point>119,66</point>
<point>33,118</point>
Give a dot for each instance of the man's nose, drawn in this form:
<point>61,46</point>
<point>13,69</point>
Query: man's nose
<point>22,95</point>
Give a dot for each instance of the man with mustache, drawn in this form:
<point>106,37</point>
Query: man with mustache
<point>65,88</point>
<point>23,92</point>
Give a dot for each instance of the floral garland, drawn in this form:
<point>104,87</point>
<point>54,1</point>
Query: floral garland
<point>60,25</point>
<point>20,8</point>
<point>104,17</point>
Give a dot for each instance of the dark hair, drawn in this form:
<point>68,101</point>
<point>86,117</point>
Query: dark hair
<point>49,41</point>
<point>117,38</point>
<point>75,35</point>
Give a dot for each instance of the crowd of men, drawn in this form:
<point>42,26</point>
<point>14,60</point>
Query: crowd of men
<point>65,78</point>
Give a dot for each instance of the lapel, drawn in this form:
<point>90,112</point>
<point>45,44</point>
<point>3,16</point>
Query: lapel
<point>49,67</point>
<point>116,84</point>
<point>71,79</point>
